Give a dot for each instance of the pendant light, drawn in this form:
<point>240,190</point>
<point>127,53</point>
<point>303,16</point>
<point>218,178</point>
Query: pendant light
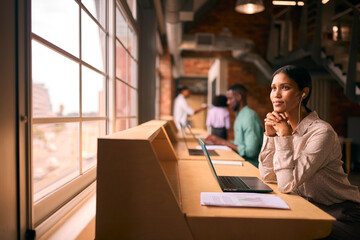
<point>249,6</point>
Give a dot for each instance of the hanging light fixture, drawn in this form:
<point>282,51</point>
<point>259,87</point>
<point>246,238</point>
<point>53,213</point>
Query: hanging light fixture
<point>249,6</point>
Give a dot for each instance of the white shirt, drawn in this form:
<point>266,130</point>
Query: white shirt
<point>181,110</point>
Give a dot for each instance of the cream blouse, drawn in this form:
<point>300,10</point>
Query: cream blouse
<point>308,162</point>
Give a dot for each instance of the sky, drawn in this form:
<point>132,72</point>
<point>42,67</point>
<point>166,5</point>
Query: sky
<point>58,22</point>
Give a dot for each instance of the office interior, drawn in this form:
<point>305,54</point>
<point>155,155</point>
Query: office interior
<point>206,45</point>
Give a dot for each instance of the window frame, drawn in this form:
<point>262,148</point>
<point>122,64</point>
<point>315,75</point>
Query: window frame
<point>45,207</point>
<point>47,211</point>
<point>126,13</point>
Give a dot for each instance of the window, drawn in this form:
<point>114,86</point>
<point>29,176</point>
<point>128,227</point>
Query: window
<point>70,86</point>
<point>126,93</point>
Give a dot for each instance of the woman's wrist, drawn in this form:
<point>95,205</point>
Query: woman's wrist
<point>269,134</point>
<point>285,133</point>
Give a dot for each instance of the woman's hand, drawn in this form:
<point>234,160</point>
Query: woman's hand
<point>277,124</point>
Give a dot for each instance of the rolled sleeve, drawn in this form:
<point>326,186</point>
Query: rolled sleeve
<point>284,163</point>
<point>266,159</point>
<point>284,152</point>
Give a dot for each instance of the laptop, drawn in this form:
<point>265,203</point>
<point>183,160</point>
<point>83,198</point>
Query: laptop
<point>192,134</point>
<point>196,152</point>
<point>235,183</point>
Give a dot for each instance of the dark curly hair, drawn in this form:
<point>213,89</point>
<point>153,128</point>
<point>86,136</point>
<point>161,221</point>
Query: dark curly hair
<point>219,101</point>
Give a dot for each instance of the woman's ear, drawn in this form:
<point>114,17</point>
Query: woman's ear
<point>305,92</point>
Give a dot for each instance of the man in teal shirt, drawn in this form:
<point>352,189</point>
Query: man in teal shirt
<point>248,130</point>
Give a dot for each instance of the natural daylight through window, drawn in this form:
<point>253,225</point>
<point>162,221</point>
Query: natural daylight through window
<point>70,86</point>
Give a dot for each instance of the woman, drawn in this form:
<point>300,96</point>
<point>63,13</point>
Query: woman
<point>302,153</point>
<point>218,117</point>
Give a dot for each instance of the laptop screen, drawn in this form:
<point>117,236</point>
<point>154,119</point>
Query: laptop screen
<point>203,147</point>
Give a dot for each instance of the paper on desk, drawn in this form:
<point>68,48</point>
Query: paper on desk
<point>214,147</point>
<point>237,163</point>
<point>259,200</point>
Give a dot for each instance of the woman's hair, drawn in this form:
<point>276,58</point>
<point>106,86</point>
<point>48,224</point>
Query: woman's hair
<point>219,101</point>
<point>299,75</point>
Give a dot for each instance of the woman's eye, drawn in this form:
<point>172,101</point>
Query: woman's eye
<point>285,87</point>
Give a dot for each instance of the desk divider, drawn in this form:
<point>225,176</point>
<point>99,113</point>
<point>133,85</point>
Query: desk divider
<point>169,125</point>
<point>145,192</point>
<point>138,191</point>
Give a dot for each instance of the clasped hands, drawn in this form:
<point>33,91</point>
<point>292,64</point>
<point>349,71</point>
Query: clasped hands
<point>277,124</point>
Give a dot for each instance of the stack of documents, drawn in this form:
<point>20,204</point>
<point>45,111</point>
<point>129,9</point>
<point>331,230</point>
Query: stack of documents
<point>242,200</point>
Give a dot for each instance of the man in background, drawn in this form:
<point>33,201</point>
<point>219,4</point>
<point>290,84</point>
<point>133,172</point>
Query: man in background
<point>248,130</point>
<point>182,109</point>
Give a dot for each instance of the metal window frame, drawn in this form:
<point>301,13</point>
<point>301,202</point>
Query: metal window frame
<point>43,210</point>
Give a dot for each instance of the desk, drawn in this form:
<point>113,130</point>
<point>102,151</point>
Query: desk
<point>303,221</point>
<point>183,154</point>
<point>145,192</point>
<point>190,137</point>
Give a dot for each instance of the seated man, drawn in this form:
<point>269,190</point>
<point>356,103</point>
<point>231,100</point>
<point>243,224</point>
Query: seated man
<point>248,130</point>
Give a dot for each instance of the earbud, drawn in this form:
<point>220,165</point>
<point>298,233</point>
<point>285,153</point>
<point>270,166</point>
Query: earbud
<point>303,95</point>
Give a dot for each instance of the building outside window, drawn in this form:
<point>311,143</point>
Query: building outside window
<point>71,93</point>
<point>126,73</point>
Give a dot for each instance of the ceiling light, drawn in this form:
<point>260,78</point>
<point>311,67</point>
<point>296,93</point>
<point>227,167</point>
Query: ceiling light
<point>284,3</point>
<point>288,3</point>
<point>249,6</point>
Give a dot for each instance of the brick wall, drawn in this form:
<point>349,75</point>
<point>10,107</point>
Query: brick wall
<point>196,66</point>
<point>166,85</point>
<point>255,27</point>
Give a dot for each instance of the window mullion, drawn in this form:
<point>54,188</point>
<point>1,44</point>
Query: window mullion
<point>80,94</point>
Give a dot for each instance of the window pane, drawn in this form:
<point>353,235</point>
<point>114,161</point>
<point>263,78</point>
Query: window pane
<point>132,72</point>
<point>97,9</point>
<point>130,40</point>
<point>55,156</point>
<point>90,133</point>
<point>121,124</point>
<point>132,6</point>
<point>121,62</point>
<point>132,99</point>
<point>93,93</point>
<point>121,93</point>
<point>121,27</point>
<point>134,46</point>
<point>92,43</point>
<point>57,22</point>
<point>133,122</point>
<point>55,83</point>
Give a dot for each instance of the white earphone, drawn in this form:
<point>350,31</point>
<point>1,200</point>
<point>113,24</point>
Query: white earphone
<point>302,97</point>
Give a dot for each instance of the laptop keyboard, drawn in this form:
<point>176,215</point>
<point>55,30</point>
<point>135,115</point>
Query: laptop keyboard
<point>232,182</point>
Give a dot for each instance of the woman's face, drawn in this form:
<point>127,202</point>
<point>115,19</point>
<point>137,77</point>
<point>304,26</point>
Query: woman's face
<point>285,95</point>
